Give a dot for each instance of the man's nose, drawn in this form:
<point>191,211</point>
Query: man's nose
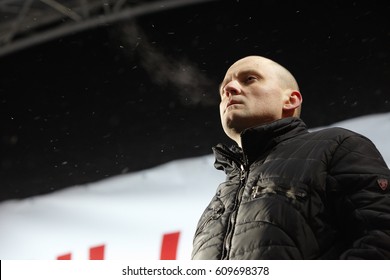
<point>232,88</point>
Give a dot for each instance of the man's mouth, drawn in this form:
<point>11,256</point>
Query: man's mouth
<point>232,102</point>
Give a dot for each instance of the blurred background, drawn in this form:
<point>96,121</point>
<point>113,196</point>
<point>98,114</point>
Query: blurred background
<point>91,89</point>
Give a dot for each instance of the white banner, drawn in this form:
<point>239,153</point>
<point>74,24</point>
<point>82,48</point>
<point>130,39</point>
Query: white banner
<point>144,215</point>
<point>148,215</point>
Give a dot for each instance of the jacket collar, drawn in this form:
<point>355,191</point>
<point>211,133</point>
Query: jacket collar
<point>256,141</point>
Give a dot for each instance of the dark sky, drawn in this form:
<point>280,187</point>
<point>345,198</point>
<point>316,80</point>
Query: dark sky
<point>137,93</point>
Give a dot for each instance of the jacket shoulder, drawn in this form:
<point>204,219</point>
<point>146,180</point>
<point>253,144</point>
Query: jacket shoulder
<point>333,133</point>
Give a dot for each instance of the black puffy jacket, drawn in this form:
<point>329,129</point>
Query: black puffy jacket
<point>295,194</point>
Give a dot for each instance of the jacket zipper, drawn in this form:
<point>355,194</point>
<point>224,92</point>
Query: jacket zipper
<point>233,215</point>
<point>216,212</point>
<point>243,175</point>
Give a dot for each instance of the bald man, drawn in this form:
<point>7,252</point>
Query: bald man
<point>256,91</point>
<point>290,194</point>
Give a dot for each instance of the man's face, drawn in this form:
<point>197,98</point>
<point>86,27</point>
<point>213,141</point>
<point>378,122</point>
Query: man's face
<point>251,95</point>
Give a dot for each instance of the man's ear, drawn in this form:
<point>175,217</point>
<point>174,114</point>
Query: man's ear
<point>292,102</point>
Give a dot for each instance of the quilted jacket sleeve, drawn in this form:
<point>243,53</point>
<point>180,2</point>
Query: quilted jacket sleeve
<point>359,188</point>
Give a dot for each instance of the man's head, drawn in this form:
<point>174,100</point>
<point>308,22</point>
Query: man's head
<point>256,91</point>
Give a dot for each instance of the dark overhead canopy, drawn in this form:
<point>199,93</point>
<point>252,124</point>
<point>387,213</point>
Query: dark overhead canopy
<point>24,23</point>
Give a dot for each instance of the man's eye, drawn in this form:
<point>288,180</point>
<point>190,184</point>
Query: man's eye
<point>250,79</point>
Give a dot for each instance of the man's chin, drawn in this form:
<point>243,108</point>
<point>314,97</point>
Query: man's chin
<point>234,125</point>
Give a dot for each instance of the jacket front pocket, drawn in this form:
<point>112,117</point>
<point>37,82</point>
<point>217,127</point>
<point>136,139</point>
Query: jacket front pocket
<point>213,212</point>
<point>291,193</point>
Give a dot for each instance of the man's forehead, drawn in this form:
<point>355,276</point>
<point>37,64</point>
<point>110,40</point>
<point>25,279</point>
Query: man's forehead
<point>248,64</point>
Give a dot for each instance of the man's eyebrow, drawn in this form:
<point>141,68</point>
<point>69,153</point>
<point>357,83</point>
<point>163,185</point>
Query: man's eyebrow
<point>249,72</point>
<point>242,73</point>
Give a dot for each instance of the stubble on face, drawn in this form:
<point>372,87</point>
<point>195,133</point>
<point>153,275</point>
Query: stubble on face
<point>248,101</point>
<point>256,104</point>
